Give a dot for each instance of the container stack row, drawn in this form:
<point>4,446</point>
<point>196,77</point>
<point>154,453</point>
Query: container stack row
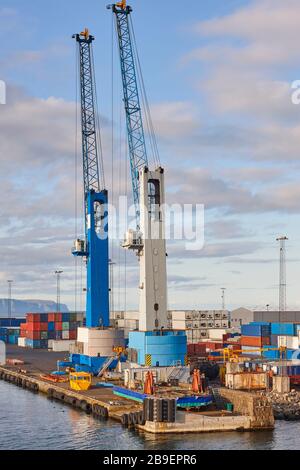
<point>10,329</point>
<point>214,348</point>
<point>265,339</point>
<point>9,335</point>
<point>41,329</point>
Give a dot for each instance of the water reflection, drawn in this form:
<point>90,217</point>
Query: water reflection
<point>30,421</point>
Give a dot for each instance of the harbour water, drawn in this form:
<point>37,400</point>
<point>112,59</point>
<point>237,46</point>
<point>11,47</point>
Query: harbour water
<point>29,421</point>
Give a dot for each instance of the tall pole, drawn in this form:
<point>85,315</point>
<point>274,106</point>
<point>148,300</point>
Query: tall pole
<point>9,309</point>
<point>58,275</point>
<point>282,275</point>
<point>223,290</point>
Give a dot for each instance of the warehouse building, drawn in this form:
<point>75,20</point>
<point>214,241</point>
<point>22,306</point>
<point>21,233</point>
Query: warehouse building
<point>243,316</point>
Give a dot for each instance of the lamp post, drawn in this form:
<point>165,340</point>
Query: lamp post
<point>9,309</point>
<point>58,276</point>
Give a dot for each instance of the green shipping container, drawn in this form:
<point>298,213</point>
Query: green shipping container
<point>44,334</point>
<point>66,326</point>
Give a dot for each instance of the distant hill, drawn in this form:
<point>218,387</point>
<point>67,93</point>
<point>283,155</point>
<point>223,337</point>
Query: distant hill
<point>21,307</point>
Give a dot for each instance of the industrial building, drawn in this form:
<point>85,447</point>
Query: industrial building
<point>243,316</point>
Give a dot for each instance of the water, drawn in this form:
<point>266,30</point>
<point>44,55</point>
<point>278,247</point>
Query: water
<point>29,421</point>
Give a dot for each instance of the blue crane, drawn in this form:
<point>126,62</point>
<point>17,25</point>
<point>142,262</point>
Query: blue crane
<point>95,246</point>
<point>135,129</point>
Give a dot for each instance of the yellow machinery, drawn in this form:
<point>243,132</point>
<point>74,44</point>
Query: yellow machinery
<point>80,381</point>
<point>230,355</point>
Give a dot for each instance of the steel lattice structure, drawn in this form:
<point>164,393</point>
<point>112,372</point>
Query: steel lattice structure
<point>95,246</point>
<point>282,275</point>
<point>135,129</point>
<point>88,116</point>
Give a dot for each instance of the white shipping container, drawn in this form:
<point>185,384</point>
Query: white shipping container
<point>290,342</point>
<point>132,324</point>
<point>216,333</point>
<point>21,342</point>
<point>179,324</point>
<point>131,315</point>
<point>62,346</point>
<point>177,315</point>
<point>65,335</point>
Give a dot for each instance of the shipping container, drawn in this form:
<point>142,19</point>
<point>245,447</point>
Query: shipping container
<point>65,326</point>
<point>73,335</point>
<point>290,342</point>
<point>257,341</point>
<point>256,329</point>
<point>58,326</point>
<point>33,317</point>
<point>284,329</point>
<point>33,335</point>
<point>65,334</point>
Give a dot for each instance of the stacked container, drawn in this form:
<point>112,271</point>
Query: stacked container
<point>9,335</point>
<point>255,336</point>
<point>42,329</point>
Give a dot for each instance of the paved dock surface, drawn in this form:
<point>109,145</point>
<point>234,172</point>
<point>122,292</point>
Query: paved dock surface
<point>39,362</point>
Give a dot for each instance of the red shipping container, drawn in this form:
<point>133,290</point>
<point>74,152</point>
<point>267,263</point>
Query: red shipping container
<point>33,317</point>
<point>58,326</point>
<point>32,326</point>
<point>255,341</point>
<point>51,317</point>
<point>34,335</point>
<point>58,317</point>
<point>191,349</point>
<point>73,335</point>
<point>43,326</point>
<point>23,334</point>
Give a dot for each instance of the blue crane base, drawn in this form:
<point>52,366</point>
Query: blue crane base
<point>159,348</point>
<point>97,256</point>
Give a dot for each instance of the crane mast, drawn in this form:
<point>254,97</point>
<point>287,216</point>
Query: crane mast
<point>134,121</point>
<point>95,246</point>
<point>148,189</point>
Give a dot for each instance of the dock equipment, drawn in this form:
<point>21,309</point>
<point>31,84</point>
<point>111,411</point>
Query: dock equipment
<point>95,246</point>
<point>80,381</point>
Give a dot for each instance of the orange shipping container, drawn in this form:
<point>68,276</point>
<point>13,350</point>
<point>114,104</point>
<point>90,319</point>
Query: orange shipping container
<point>255,341</point>
<point>51,317</point>
<point>33,317</point>
<point>33,335</point>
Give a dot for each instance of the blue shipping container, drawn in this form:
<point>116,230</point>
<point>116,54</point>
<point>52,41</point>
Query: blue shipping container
<point>284,329</point>
<point>253,329</point>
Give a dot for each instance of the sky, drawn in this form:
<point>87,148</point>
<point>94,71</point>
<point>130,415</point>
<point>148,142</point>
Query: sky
<point>218,77</point>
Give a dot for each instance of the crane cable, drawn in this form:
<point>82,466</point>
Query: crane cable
<point>112,165</point>
<point>76,174</point>
<point>98,128</point>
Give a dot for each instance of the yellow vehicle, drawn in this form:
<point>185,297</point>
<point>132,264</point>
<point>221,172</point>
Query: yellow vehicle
<point>80,381</point>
